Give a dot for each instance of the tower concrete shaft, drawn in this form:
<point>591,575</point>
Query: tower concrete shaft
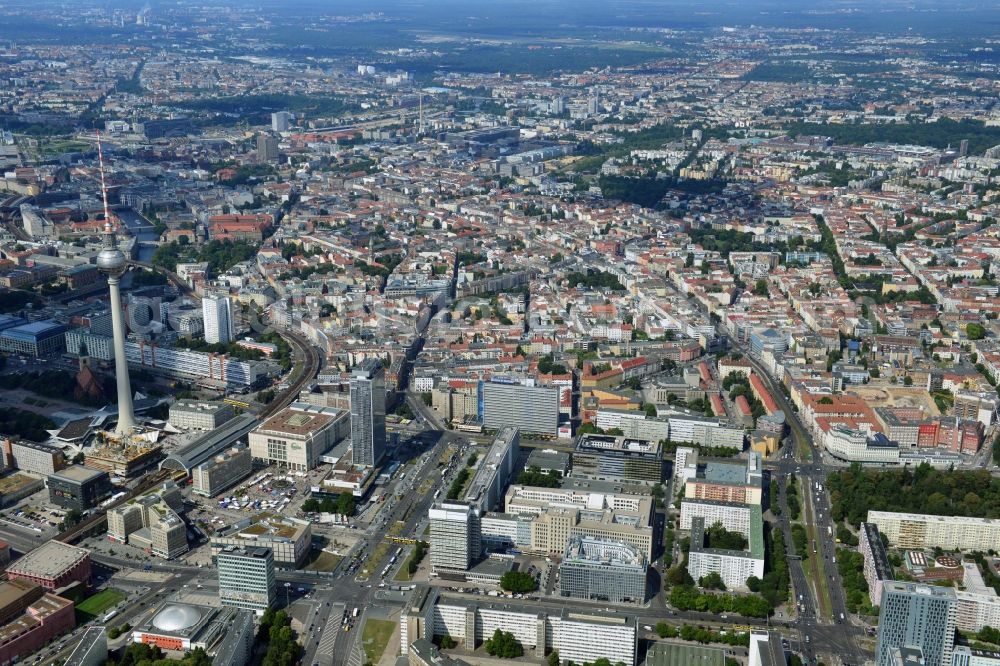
<point>126,417</point>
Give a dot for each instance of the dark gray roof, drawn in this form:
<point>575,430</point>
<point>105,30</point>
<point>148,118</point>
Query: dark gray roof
<point>209,444</point>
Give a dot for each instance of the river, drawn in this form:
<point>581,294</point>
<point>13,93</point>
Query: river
<point>141,228</point>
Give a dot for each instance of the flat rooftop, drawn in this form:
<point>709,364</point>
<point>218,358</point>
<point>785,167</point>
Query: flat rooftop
<point>300,420</point>
<point>33,616</point>
<point>592,443</point>
<point>265,525</point>
<point>548,459</point>
<point>662,653</point>
<point>199,406</point>
<point>258,552</point>
<point>507,438</point>
<point>733,473</point>
<point>13,590</point>
<point>78,473</point>
<point>13,482</point>
<point>880,560</point>
<point>49,560</point>
<point>874,516</point>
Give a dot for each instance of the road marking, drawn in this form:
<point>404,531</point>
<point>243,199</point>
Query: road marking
<point>324,651</point>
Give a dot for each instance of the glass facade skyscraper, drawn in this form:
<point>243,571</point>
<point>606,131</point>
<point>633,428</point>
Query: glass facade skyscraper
<point>916,616</point>
<point>368,413</point>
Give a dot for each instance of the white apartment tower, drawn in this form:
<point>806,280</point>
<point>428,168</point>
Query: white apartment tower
<point>217,312</point>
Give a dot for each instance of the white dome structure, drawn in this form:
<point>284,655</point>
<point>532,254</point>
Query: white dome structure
<point>176,618</point>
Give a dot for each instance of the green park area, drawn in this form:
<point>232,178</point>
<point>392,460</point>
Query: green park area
<point>375,638</point>
<point>92,607</point>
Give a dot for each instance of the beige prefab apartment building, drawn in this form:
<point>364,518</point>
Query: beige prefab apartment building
<point>200,415</point>
<point>222,471</point>
<point>915,530</point>
<point>551,531</point>
<point>151,522</point>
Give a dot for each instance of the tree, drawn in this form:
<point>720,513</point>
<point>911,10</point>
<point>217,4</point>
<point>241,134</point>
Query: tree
<point>717,536</point>
<point>712,581</point>
<point>664,630</point>
<point>534,476</point>
<point>975,332</point>
<point>679,576</point>
<point>504,645</point>
<point>589,428</point>
<point>907,381</point>
<point>553,658</point>
<point>518,582</point>
<point>419,551</point>
<point>760,288</point>
<point>447,642</point>
<point>345,504</point>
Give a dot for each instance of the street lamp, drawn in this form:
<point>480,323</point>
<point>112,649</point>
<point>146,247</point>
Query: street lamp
<point>288,587</point>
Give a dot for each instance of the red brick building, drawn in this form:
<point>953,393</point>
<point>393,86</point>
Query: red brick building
<point>52,565</point>
<point>30,618</point>
<point>239,227</point>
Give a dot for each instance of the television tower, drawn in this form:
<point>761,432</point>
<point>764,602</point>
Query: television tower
<point>111,261</point>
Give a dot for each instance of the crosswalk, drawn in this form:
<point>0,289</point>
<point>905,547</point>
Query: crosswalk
<point>324,651</point>
<point>357,657</point>
<point>357,654</point>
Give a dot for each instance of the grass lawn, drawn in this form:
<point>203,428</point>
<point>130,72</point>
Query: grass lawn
<point>96,604</point>
<point>375,637</point>
<point>396,529</point>
<point>377,556</point>
<point>403,574</point>
<point>426,485</point>
<point>323,561</point>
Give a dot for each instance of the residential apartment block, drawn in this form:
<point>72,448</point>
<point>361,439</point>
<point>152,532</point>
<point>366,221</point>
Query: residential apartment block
<point>912,530</point>
<point>733,566</point>
<point>577,636</point>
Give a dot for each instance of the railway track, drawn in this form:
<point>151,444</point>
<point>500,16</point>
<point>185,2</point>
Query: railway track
<point>310,365</point>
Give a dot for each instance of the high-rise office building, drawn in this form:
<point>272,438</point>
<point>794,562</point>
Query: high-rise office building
<point>495,471</point>
<point>599,569</point>
<point>368,413</point>
<point>455,536</point>
<point>267,148</point>
<point>912,615</point>
<point>532,409</point>
<point>246,577</point>
<point>280,121</point>
<point>217,312</point>
<point>611,458</point>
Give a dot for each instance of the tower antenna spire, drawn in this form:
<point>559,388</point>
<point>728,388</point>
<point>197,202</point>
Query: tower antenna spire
<point>104,187</point>
<point>112,262</point>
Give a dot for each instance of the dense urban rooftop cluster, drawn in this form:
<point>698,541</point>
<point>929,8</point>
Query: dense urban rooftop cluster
<point>721,301</point>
